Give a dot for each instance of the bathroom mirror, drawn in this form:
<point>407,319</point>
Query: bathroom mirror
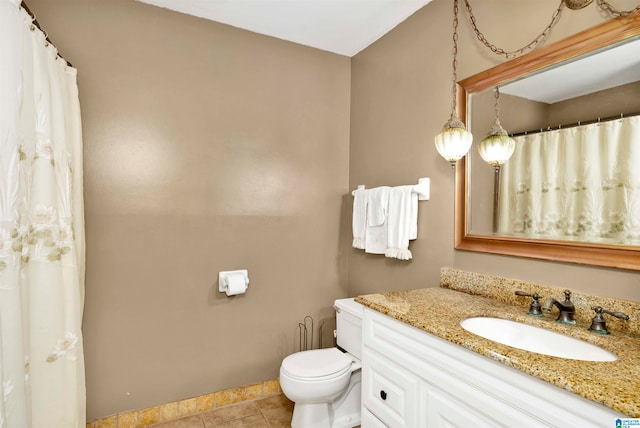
<point>474,201</point>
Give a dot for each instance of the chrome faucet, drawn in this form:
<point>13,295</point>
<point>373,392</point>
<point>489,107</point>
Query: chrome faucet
<point>566,307</point>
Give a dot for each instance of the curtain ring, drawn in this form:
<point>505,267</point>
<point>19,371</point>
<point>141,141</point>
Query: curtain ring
<point>46,38</point>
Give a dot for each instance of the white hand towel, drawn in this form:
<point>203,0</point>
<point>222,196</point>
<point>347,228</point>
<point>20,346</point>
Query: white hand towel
<point>413,222</point>
<point>402,221</point>
<point>375,240</point>
<point>359,219</point>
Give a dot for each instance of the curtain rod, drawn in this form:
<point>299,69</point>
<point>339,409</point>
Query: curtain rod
<point>574,124</point>
<point>37,24</point>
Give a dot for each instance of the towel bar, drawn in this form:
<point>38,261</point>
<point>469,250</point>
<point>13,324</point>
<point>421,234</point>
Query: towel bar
<point>423,189</point>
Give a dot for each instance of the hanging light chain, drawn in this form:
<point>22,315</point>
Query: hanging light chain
<point>496,106</point>
<point>604,5</point>
<point>499,51</point>
<point>455,57</point>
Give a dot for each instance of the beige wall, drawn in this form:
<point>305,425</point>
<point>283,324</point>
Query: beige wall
<point>610,102</point>
<point>207,148</point>
<point>401,98</point>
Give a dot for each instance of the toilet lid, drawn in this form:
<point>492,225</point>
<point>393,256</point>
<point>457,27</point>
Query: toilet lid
<point>316,363</point>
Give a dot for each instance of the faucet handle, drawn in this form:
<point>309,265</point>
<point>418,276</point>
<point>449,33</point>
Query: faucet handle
<point>567,295</point>
<point>534,308</point>
<point>620,315</point>
<point>598,324</point>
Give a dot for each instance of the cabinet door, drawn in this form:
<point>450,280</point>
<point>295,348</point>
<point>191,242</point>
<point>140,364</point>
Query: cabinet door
<point>369,420</point>
<point>390,392</point>
<point>467,410</point>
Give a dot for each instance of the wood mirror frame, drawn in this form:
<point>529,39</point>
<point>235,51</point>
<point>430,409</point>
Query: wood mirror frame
<point>619,256</point>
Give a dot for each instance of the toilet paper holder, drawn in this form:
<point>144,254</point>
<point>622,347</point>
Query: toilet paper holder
<point>228,282</point>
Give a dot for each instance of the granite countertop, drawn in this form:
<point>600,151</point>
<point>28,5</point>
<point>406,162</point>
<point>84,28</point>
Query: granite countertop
<point>438,311</point>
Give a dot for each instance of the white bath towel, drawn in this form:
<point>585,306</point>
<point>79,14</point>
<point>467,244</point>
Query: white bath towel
<point>359,219</point>
<point>375,240</point>
<point>402,222</point>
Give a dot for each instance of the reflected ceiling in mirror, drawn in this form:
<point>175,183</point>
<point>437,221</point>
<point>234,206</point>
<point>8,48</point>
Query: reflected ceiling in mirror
<point>561,84</point>
<point>610,67</point>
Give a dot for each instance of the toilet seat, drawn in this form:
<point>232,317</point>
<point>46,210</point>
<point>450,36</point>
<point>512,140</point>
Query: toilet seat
<point>317,365</point>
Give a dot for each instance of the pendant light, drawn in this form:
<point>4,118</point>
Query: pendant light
<point>454,141</point>
<point>497,147</point>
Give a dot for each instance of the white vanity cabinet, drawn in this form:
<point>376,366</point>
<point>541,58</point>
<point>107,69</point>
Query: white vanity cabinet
<point>414,379</point>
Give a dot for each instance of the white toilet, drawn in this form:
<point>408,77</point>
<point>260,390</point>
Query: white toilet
<point>324,384</point>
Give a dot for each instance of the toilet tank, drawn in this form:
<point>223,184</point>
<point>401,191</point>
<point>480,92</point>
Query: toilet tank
<point>349,326</point>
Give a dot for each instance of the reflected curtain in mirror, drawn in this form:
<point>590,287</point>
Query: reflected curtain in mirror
<point>580,183</point>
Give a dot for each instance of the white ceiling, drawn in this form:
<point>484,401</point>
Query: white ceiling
<point>344,27</point>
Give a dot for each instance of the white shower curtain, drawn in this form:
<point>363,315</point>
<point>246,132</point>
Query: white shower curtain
<point>579,183</point>
<point>41,231</point>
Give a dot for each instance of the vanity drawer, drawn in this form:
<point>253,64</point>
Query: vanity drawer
<point>390,392</point>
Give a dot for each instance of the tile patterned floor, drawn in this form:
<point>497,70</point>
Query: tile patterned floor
<point>272,412</point>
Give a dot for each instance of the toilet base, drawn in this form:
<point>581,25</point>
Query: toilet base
<point>344,412</point>
<point>311,415</point>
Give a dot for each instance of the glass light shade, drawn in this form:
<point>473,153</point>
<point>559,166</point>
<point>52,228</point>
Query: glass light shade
<point>497,147</point>
<point>454,141</point>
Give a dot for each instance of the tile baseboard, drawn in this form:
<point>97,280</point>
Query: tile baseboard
<point>189,406</point>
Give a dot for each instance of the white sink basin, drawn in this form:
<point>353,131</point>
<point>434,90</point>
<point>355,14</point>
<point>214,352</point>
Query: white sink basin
<point>535,339</point>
